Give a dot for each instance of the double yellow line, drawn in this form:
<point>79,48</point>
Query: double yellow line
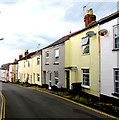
<point>3,104</point>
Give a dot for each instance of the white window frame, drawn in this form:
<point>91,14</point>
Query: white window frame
<point>116,81</point>
<point>85,45</point>
<point>38,60</point>
<point>56,78</point>
<point>116,35</point>
<point>56,55</point>
<point>84,75</point>
<point>46,57</point>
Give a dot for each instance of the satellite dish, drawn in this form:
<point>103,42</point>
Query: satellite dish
<point>90,34</point>
<point>102,32</point>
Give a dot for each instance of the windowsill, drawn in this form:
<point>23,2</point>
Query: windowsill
<point>115,49</point>
<point>46,63</point>
<point>56,63</point>
<point>85,87</point>
<point>85,54</point>
<point>115,94</point>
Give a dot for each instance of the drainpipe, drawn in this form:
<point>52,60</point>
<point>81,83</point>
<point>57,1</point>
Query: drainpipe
<point>99,61</point>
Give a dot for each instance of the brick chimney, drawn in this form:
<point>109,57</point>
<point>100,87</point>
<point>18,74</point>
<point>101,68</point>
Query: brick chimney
<point>26,52</point>
<point>89,18</point>
<point>20,56</point>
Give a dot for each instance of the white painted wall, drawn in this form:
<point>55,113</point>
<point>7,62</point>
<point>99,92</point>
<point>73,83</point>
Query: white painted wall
<point>108,59</point>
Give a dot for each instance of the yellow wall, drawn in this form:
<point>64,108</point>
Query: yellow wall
<point>74,57</point>
<point>36,69</point>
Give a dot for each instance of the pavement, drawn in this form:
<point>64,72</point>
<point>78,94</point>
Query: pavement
<point>29,103</point>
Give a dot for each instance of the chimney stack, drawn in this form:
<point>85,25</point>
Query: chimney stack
<point>20,56</point>
<point>26,52</point>
<point>89,18</point>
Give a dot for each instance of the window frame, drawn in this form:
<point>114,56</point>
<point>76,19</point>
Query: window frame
<point>114,41</point>
<point>85,45</point>
<point>117,81</point>
<point>56,57</point>
<point>38,60</point>
<point>28,63</point>
<point>56,78</point>
<point>47,58</point>
<point>38,77</point>
<point>84,85</point>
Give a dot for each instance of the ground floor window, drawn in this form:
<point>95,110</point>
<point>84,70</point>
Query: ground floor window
<point>116,80</point>
<point>38,77</point>
<point>85,77</point>
<point>56,74</point>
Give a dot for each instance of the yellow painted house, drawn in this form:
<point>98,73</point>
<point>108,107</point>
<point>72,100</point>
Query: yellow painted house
<point>82,60</point>
<point>30,70</point>
<point>36,68</point>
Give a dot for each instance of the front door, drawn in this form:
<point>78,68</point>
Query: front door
<point>68,79</point>
<point>49,80</point>
<point>44,76</point>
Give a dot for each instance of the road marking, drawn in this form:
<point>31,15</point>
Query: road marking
<point>2,112</point>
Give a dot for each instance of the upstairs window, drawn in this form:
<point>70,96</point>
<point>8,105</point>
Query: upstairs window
<point>56,74</point>
<point>38,61</point>
<point>47,58</point>
<point>116,80</point>
<point>28,63</point>
<point>85,45</point>
<point>56,55</point>
<point>116,36</point>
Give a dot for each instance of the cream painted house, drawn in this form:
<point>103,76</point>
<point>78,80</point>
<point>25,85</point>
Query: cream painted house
<point>82,60</point>
<point>30,68</point>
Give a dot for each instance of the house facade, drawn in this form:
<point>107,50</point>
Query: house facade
<point>36,68</point>
<point>110,56</point>
<point>30,68</point>
<point>82,61</point>
<point>53,64</point>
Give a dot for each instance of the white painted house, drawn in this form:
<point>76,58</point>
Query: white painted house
<point>109,56</point>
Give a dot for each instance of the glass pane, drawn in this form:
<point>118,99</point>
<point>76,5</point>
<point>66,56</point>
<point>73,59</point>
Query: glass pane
<point>85,49</point>
<point>85,41</point>
<point>57,53</point>
<point>117,42</point>
<point>47,54</point>
<point>86,71</point>
<point>116,31</point>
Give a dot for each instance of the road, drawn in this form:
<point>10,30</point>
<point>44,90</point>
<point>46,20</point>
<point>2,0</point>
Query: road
<point>28,103</point>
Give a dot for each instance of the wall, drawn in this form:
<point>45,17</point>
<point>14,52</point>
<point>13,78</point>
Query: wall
<point>109,59</point>
<point>51,67</point>
<point>90,61</point>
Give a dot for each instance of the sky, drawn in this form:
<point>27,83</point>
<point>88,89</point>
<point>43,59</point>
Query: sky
<point>34,24</point>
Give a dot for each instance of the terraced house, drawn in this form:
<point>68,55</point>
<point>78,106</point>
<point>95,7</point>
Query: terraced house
<point>82,58</point>
<point>53,64</point>
<point>109,39</point>
<point>30,68</point>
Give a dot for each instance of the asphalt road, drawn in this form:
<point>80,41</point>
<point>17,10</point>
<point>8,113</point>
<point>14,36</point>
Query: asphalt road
<point>28,103</point>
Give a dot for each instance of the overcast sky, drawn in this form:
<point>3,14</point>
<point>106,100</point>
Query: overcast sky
<point>26,23</point>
